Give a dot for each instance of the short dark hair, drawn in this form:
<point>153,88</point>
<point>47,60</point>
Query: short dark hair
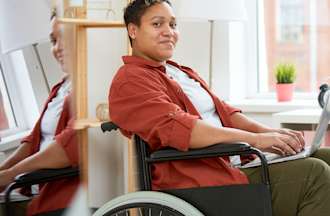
<point>135,10</point>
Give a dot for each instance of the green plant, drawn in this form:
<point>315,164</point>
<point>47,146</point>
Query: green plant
<point>285,73</point>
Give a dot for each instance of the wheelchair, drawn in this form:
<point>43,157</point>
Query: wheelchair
<point>250,199</point>
<point>209,201</point>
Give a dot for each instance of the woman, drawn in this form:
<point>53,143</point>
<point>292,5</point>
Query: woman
<point>51,144</point>
<point>170,105</point>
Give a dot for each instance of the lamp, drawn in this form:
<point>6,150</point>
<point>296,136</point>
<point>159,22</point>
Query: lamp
<point>211,10</point>
<point>23,23</point>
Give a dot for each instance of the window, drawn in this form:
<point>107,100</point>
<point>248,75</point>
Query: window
<point>7,120</point>
<point>295,31</point>
<point>18,106</point>
<point>289,21</point>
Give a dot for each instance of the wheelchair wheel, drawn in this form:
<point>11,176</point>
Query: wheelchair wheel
<point>147,203</point>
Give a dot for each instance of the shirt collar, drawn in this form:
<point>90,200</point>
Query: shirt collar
<point>141,61</point>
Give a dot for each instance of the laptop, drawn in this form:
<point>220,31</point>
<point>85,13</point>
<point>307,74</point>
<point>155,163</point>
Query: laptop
<point>309,150</point>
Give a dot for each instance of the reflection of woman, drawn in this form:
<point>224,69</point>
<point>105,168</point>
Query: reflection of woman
<point>51,144</point>
<point>170,105</point>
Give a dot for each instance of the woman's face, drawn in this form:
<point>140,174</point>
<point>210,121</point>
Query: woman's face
<point>157,35</point>
<point>57,44</point>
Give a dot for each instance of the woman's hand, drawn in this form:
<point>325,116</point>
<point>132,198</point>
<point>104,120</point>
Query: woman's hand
<point>298,135</point>
<point>6,177</point>
<point>282,142</point>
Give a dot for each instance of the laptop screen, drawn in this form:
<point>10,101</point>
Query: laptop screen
<point>323,124</point>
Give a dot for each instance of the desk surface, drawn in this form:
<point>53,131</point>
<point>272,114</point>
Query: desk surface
<point>301,116</point>
<point>302,119</point>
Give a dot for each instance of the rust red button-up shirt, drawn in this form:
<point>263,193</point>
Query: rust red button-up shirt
<point>57,194</point>
<point>143,100</point>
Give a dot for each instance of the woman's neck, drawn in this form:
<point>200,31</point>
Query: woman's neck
<point>141,55</point>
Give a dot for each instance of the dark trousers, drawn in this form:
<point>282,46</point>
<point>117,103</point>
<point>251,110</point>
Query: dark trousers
<point>19,209</point>
<point>300,187</point>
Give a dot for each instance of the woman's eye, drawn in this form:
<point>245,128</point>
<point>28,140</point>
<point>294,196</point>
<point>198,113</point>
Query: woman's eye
<point>53,41</point>
<point>157,24</point>
<point>173,25</point>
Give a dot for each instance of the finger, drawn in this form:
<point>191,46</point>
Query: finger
<point>277,150</point>
<point>295,135</point>
<point>300,136</point>
<point>292,142</point>
<point>298,142</point>
<point>285,148</point>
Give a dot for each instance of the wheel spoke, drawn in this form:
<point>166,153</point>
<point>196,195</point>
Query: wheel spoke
<point>144,209</point>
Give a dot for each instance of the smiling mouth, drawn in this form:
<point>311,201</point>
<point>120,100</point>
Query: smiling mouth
<point>168,43</point>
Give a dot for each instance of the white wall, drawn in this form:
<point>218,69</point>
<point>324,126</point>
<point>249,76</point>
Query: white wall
<point>193,46</point>
<point>106,151</point>
<point>106,167</point>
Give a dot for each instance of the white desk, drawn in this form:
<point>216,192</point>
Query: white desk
<point>298,118</point>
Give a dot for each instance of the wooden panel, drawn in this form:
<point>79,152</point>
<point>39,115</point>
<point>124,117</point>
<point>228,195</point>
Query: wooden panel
<point>133,174</point>
<point>82,124</point>
<point>92,23</point>
<point>75,39</point>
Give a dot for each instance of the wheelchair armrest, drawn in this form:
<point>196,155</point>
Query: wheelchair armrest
<point>216,150</point>
<point>46,175</point>
<point>37,177</point>
<point>41,176</point>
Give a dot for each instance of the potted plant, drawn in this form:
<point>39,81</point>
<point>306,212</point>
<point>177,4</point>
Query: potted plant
<point>285,76</point>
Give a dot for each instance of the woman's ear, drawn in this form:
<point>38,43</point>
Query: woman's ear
<point>132,28</point>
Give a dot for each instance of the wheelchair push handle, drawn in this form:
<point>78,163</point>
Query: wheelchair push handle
<point>324,93</point>
<point>108,126</point>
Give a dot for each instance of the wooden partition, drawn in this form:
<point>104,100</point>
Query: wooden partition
<point>75,42</point>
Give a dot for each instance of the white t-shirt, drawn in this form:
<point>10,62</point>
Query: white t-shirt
<point>52,114</point>
<point>199,97</point>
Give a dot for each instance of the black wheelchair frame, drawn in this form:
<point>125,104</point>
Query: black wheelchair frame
<point>249,200</point>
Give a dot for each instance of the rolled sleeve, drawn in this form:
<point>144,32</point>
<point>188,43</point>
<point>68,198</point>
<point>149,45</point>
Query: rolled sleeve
<point>33,138</point>
<point>180,136</point>
<point>230,109</point>
<point>35,134</point>
<point>69,142</point>
<point>28,139</point>
<point>143,107</point>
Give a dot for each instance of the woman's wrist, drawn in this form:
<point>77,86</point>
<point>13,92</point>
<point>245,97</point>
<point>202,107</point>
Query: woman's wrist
<point>4,166</point>
<point>252,139</point>
<point>265,129</point>
<point>9,174</point>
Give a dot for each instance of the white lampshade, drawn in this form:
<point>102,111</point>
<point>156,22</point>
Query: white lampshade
<point>23,23</point>
<point>230,10</point>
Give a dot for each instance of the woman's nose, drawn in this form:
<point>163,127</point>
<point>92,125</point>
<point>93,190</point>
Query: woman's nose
<point>168,31</point>
<point>59,46</point>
